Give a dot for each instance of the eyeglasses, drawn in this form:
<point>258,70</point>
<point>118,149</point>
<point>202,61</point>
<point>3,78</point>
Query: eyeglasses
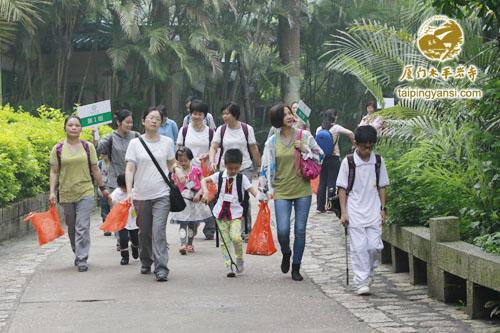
<point>152,118</point>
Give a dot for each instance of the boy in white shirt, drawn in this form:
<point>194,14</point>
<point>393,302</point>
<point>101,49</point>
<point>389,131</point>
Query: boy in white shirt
<point>232,197</point>
<point>361,184</point>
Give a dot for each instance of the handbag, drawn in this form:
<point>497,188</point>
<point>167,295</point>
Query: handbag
<point>309,168</point>
<point>177,203</point>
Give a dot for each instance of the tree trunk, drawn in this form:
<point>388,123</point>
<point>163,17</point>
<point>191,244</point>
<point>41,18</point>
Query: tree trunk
<point>293,93</point>
<point>1,85</point>
<point>245,87</point>
<point>284,50</point>
<point>289,49</point>
<point>87,68</point>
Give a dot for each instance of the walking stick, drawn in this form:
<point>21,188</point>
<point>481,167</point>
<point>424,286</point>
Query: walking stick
<point>346,257</point>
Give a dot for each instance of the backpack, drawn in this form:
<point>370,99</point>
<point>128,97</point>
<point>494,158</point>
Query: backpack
<point>85,145</point>
<point>243,196</point>
<point>333,200</point>
<point>185,130</point>
<point>324,138</point>
<point>352,171</point>
<point>136,135</point>
<point>244,127</point>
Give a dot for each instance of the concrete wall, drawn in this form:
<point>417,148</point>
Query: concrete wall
<point>452,269</point>
<point>11,217</point>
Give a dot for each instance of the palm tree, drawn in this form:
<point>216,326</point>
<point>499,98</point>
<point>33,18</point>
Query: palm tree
<point>16,14</point>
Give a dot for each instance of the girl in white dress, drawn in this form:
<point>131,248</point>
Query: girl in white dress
<point>187,178</point>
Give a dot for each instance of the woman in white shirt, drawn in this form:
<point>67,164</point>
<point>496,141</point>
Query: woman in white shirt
<point>235,134</point>
<point>150,194</point>
<point>198,137</point>
<point>372,118</point>
<point>331,163</point>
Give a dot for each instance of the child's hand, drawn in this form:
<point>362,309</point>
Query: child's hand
<point>344,219</point>
<point>205,198</point>
<point>203,156</point>
<point>197,197</point>
<point>182,179</point>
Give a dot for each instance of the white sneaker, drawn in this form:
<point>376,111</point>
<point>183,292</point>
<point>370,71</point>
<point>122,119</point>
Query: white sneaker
<point>362,291</point>
<point>239,265</point>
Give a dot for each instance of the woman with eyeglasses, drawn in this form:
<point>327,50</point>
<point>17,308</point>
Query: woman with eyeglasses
<point>150,194</point>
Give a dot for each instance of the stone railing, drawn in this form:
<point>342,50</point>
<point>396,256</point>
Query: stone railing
<point>453,270</point>
<point>11,217</point>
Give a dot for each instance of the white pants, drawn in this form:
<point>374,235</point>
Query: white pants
<point>366,244</point>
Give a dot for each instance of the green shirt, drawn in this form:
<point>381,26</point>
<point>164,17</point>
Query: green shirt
<point>74,178</point>
<point>287,185</point>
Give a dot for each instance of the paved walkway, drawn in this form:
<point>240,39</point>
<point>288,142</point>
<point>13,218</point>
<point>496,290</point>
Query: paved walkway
<point>395,305</point>
<point>40,291</point>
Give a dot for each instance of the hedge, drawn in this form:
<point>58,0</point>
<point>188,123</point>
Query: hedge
<point>25,143</point>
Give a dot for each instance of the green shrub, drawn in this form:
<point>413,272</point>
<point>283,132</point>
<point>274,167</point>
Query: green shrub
<point>25,145</point>
<point>444,174</point>
<point>489,242</point>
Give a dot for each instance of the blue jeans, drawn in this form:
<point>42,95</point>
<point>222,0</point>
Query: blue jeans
<point>283,210</point>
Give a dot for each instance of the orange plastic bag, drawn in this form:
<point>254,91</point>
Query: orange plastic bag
<point>314,185</point>
<point>47,225</point>
<point>261,241</point>
<point>205,170</point>
<point>117,217</point>
<point>212,187</point>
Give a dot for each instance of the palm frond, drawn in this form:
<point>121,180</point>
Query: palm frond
<point>118,56</point>
<point>26,12</point>
<point>158,39</point>
<point>7,33</point>
<point>374,53</point>
<point>128,15</point>
<point>348,65</point>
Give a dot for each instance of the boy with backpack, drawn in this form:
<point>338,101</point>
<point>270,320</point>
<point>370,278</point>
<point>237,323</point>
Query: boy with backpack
<point>361,184</point>
<point>231,203</point>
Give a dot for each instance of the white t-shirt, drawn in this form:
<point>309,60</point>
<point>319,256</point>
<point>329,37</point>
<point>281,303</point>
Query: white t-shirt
<point>235,208</point>
<point>117,196</point>
<point>198,142</point>
<point>235,138</point>
<point>363,202</point>
<point>335,130</point>
<point>148,182</point>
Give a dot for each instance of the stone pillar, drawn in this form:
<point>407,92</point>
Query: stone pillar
<point>386,253</point>
<point>399,260</point>
<point>418,270</point>
<point>442,229</point>
<point>477,296</point>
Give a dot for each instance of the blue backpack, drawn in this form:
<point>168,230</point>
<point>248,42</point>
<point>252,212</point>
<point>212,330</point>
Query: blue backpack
<point>324,138</point>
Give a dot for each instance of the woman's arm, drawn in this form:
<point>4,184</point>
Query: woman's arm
<point>254,149</point>
<point>129,179</point>
<point>211,155</point>
<point>54,174</point>
<point>98,178</point>
<point>171,165</point>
